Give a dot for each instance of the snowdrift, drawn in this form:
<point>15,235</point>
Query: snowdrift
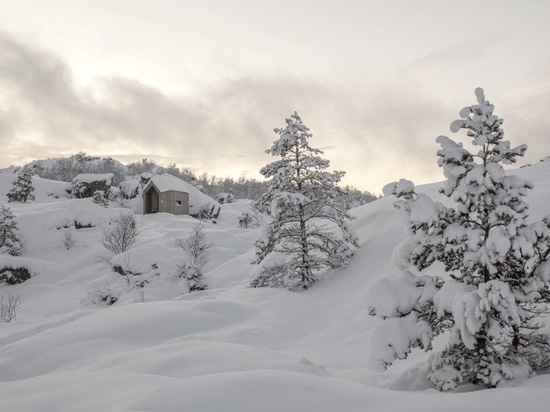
<point>228,348</point>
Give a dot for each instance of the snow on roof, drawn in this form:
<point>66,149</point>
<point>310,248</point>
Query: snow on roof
<point>167,182</point>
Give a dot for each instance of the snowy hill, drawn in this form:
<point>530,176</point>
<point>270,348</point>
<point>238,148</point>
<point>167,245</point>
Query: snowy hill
<point>45,190</point>
<point>229,348</point>
<point>84,162</point>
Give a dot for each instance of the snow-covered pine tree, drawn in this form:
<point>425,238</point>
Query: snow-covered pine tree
<point>196,248</point>
<point>308,229</point>
<point>22,189</point>
<point>10,242</point>
<point>494,266</point>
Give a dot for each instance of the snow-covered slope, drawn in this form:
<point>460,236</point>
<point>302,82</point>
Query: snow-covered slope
<point>230,348</point>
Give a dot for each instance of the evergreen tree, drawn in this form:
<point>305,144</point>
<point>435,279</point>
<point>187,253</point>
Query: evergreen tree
<point>308,229</point>
<point>22,189</point>
<point>494,265</point>
<point>10,243</point>
<point>196,248</point>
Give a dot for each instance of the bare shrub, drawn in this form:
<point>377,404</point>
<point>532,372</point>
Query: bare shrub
<point>9,307</point>
<point>207,211</point>
<point>134,277</point>
<point>68,240</point>
<point>247,220</point>
<point>121,233</point>
<point>276,275</point>
<point>107,293</point>
<point>80,225</point>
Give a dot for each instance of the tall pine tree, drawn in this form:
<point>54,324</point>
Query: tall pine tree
<point>494,265</point>
<point>308,229</point>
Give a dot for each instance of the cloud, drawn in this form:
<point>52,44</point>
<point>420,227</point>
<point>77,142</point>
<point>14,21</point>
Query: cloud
<point>527,121</point>
<point>467,50</point>
<point>377,132</point>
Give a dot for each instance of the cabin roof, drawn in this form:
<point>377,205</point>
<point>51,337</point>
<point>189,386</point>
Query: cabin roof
<point>166,182</point>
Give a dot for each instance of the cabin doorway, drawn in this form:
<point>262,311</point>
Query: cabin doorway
<point>151,201</point>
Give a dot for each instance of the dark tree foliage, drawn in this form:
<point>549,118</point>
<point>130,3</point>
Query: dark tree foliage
<point>23,189</point>
<point>10,241</point>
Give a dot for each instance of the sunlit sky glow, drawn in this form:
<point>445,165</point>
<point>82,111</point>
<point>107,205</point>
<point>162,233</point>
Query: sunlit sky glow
<point>203,83</point>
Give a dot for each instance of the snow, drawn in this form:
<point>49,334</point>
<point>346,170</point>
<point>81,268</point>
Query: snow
<point>384,294</point>
<point>231,347</point>
<point>402,188</point>
<point>94,177</point>
<point>44,190</point>
<point>130,187</point>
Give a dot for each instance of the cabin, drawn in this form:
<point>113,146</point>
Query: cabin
<point>166,193</point>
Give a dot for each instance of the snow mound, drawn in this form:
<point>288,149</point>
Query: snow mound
<point>230,348</point>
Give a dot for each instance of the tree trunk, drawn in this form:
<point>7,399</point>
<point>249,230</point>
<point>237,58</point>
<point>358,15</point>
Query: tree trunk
<point>304,248</point>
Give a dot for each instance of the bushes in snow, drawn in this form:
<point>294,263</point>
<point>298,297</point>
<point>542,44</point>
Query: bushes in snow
<point>241,188</point>
<point>207,211</point>
<point>23,189</point>
<point>107,293</point>
<point>307,226</point>
<point>100,199</point>
<point>66,169</point>
<point>85,221</point>
<point>68,240</point>
<point>10,242</point>
<point>149,167</point>
<point>10,275</point>
<point>134,280</point>
<point>247,220</point>
<point>225,197</point>
<point>121,233</point>
<point>494,266</point>
<point>280,274</point>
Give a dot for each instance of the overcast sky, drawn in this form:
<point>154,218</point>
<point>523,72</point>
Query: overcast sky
<point>203,83</point>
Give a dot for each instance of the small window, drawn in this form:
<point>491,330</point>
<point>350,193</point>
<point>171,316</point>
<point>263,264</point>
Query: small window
<point>178,202</point>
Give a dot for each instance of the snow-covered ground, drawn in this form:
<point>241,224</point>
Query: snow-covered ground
<point>230,348</point>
